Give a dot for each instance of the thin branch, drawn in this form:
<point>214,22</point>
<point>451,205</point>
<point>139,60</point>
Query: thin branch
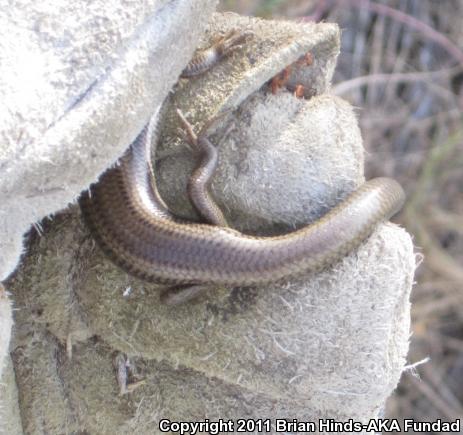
<point>349,85</point>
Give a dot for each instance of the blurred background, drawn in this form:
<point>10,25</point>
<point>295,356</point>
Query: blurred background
<point>401,65</point>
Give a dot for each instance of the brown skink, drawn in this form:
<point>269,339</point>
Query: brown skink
<point>134,227</point>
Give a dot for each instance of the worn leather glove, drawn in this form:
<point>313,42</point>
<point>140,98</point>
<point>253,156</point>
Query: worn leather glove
<point>108,356</point>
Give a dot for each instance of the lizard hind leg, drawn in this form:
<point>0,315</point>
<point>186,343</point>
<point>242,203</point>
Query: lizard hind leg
<point>180,294</point>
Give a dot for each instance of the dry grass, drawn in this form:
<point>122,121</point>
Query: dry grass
<point>402,66</point>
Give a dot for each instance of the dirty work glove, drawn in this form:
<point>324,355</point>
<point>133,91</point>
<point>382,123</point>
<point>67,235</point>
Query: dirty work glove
<point>108,356</point>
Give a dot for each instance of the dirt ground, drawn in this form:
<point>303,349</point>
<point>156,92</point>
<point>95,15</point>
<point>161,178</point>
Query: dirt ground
<point>401,65</point>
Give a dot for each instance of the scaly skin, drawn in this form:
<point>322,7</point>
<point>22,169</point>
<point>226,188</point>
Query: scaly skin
<point>132,224</point>
<point>206,59</point>
<point>134,227</point>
